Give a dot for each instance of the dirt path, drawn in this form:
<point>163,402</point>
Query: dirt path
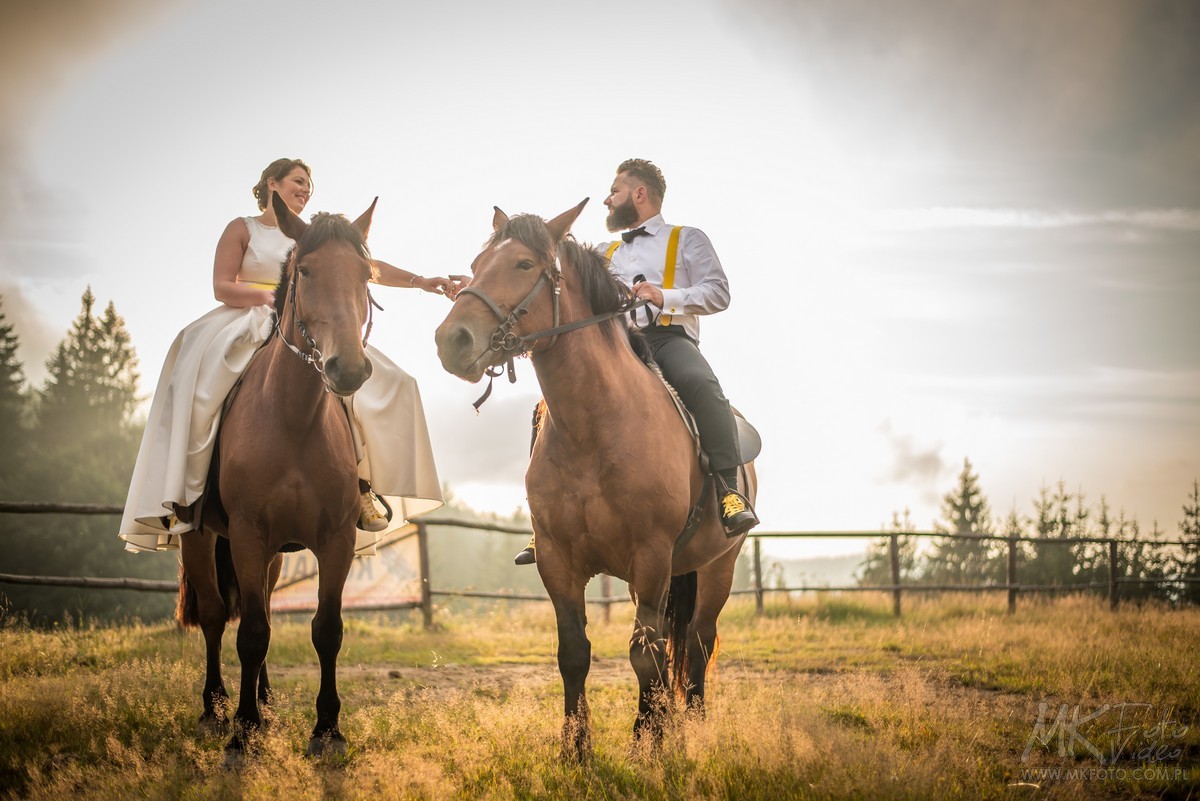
<point>930,681</point>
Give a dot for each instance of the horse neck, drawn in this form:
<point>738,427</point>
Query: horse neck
<point>295,387</point>
<point>587,372</point>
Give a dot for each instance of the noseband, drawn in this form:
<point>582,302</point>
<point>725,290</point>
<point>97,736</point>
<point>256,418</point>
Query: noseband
<point>315,357</point>
<point>504,339</point>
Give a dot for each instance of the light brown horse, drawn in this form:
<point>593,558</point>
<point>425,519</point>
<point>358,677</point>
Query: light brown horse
<point>286,473</point>
<point>614,471</point>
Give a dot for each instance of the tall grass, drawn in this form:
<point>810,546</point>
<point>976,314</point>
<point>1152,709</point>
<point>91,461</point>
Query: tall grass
<point>819,698</point>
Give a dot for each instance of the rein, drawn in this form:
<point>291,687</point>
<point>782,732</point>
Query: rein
<point>505,339</point>
<point>315,357</point>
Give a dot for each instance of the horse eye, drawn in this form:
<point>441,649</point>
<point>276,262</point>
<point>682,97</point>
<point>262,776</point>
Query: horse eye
<point>303,271</point>
<point>524,264</point>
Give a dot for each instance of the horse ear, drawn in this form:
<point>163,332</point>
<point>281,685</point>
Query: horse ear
<point>363,223</point>
<point>499,219</point>
<point>562,223</point>
<point>291,225</point>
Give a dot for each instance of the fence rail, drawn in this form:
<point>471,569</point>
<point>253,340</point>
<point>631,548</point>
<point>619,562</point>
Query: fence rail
<point>896,588</point>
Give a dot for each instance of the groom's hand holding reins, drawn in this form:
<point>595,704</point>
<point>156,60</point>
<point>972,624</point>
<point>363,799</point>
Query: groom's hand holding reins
<point>649,292</point>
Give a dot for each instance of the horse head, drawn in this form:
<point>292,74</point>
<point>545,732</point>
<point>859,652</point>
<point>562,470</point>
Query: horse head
<point>322,302</point>
<point>514,288</point>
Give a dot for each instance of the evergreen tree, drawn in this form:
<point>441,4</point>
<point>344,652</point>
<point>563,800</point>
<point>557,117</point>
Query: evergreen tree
<point>85,440</point>
<point>13,405</point>
<point>1061,516</point>
<point>91,390</point>
<point>1187,564</point>
<point>876,568</point>
<point>965,512</point>
<point>1140,559</point>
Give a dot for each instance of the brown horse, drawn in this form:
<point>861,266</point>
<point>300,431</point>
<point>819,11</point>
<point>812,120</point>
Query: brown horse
<point>286,473</point>
<point>614,471</point>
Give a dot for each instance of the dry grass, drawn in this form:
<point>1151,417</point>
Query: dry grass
<point>816,699</point>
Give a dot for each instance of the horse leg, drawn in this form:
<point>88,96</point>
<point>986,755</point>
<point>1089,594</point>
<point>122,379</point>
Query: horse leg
<point>254,632</point>
<point>264,684</point>
<point>198,559</point>
<point>713,583</point>
<point>333,566</point>
<point>648,653</point>
<point>574,652</point>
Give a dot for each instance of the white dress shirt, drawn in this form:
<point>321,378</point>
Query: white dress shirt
<point>700,283</point>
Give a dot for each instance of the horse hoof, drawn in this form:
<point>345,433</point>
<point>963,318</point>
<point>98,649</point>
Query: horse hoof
<point>235,758</point>
<point>211,725</point>
<point>327,744</point>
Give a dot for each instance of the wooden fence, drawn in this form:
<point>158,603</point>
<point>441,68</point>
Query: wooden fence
<point>896,587</point>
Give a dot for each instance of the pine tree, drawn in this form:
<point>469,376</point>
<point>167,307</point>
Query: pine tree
<point>13,405</point>
<point>1056,519</point>
<point>91,390</point>
<point>1188,562</point>
<point>85,440</point>
<point>965,512</point>
<point>876,568</point>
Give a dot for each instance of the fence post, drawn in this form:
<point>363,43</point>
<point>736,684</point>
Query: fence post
<point>605,591</point>
<point>758,590</point>
<point>426,587</point>
<point>1012,575</point>
<point>894,554</point>
<point>1113,590</point>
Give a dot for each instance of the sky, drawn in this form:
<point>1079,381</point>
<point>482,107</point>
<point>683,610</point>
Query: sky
<point>952,230</point>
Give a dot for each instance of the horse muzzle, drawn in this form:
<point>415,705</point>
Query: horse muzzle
<point>462,351</point>
<point>344,377</point>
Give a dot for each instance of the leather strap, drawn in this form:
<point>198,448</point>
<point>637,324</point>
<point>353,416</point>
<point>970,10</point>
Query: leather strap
<point>669,268</point>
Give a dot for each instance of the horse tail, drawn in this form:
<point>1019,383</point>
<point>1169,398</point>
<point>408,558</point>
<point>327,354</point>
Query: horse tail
<point>187,611</point>
<point>681,605</point>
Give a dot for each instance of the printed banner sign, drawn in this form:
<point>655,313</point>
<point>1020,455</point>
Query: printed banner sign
<point>392,577</point>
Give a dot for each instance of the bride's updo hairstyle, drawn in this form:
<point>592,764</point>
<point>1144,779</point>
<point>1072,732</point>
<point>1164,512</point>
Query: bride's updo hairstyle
<point>277,169</point>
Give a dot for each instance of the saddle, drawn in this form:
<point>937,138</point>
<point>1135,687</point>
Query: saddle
<point>749,446</point>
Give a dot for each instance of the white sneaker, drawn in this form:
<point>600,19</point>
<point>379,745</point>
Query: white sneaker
<point>369,516</point>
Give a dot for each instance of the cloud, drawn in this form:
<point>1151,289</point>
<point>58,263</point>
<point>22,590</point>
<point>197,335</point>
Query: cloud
<point>911,464</point>
<point>1064,102</point>
<point>34,336</point>
<point>939,218</point>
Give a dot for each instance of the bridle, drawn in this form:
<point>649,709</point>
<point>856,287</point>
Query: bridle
<point>505,339</point>
<point>314,357</point>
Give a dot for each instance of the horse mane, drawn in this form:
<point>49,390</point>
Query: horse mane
<point>325,227</point>
<point>603,292</point>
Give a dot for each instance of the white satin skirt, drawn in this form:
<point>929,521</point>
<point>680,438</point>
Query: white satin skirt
<point>204,362</point>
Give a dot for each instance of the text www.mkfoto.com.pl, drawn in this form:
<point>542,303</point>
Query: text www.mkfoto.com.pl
<point>1155,773</point>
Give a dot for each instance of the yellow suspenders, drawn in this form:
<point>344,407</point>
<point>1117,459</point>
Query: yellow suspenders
<point>668,266</point>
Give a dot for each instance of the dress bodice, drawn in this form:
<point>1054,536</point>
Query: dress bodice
<point>265,251</point>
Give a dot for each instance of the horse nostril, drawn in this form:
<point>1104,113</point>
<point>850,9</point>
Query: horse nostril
<point>333,367</point>
<point>462,341</point>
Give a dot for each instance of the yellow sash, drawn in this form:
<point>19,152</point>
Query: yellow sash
<point>668,266</point>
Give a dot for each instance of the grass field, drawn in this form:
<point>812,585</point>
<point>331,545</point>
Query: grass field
<point>820,698</point>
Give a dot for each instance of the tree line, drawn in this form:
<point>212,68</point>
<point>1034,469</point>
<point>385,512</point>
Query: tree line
<point>75,439</point>
<point>1057,514</point>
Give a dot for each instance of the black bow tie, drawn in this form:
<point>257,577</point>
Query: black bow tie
<point>629,236</point>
